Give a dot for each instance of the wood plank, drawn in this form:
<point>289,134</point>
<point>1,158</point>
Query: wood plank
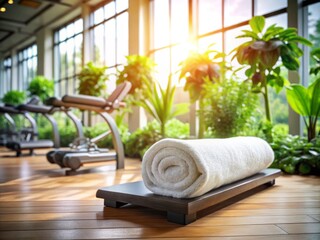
<point>153,220</point>
<point>37,201</point>
<point>301,227</point>
<point>146,232</point>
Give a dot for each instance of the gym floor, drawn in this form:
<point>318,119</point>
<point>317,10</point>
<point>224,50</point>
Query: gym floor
<point>37,201</point>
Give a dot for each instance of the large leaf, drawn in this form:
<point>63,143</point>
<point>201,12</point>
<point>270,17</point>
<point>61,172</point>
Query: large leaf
<point>269,58</point>
<point>257,24</point>
<point>298,99</point>
<point>314,94</point>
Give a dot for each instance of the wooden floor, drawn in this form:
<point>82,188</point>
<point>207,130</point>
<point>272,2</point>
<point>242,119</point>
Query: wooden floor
<point>37,201</point>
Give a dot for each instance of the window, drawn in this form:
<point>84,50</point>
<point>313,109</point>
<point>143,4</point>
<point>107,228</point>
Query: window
<point>5,83</point>
<point>27,66</point>
<point>313,33</point>
<point>109,29</point>
<point>210,24</point>
<point>170,36</point>
<point>68,57</point>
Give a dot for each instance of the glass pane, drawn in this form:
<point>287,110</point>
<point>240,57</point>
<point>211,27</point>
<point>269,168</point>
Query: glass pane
<point>78,26</point>
<point>63,53</point>
<point>70,30</point>
<point>267,6</point>
<point>161,58</point>
<point>213,42</point>
<point>62,34</point>
<point>78,53</point>
<point>109,10</point>
<point>29,52</point>
<point>98,16</point>
<point>122,5</point>
<point>110,39</point>
<point>178,54</point>
<point>313,33</point>
<point>70,56</point>
<point>232,42</point>
<point>122,37</point>
<point>314,24</point>
<point>63,87</point>
<point>230,38</point>
<point>179,22</point>
<point>209,16</point>
<point>161,23</point>
<point>281,20</point>
<point>34,49</point>
<point>237,11</point>
<point>111,83</point>
<point>70,86</point>
<point>98,44</point>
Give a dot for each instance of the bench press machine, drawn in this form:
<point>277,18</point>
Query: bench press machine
<point>75,158</point>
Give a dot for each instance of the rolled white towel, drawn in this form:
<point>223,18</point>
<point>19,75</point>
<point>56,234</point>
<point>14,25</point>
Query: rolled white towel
<point>190,168</point>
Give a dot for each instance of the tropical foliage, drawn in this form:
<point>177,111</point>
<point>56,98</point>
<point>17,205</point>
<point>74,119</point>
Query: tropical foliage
<point>42,87</point>
<point>92,80</point>
<point>14,97</point>
<point>139,71</point>
<point>295,155</point>
<point>263,53</point>
<point>230,107</point>
<point>198,69</point>
<point>159,103</point>
<point>306,102</point>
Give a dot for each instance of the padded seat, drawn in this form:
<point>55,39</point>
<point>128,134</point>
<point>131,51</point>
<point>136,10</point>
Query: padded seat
<point>34,108</point>
<point>86,100</point>
<point>7,109</point>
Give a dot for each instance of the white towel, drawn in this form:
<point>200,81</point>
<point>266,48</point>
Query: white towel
<point>190,168</point>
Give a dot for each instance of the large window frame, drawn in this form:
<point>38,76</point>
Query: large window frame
<point>6,76</point>
<point>68,45</point>
<point>109,31</point>
<point>27,65</point>
<point>196,39</point>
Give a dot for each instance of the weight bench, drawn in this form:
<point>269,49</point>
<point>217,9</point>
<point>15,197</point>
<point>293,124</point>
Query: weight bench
<point>35,143</point>
<point>102,106</point>
<point>185,211</point>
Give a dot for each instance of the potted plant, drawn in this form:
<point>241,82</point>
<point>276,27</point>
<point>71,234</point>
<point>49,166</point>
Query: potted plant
<point>139,71</point>
<point>92,80</point>
<point>14,97</point>
<point>306,101</point>
<point>42,87</point>
<point>158,102</point>
<point>198,69</point>
<point>263,53</point>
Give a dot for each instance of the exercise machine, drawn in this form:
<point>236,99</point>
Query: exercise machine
<point>88,152</point>
<point>35,143</point>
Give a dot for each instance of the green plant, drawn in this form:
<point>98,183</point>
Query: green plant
<point>262,53</point>
<point>66,128</point>
<point>197,69</point>
<point>139,71</point>
<point>42,87</point>
<point>230,106</point>
<point>14,97</point>
<point>159,103</point>
<point>315,56</point>
<point>306,102</point>
<point>294,154</point>
<point>92,80</point>
<point>140,141</point>
<point>100,128</point>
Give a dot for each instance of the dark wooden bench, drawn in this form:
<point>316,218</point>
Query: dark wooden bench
<point>185,211</point>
